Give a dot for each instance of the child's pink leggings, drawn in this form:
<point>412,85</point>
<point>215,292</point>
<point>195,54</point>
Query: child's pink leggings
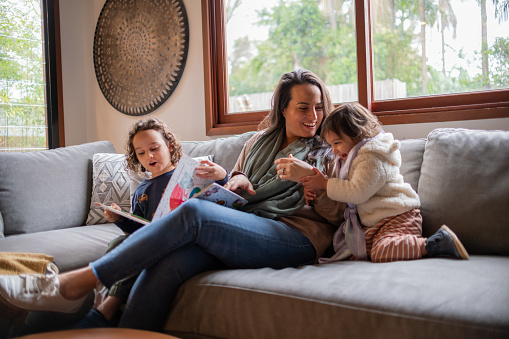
<point>396,238</point>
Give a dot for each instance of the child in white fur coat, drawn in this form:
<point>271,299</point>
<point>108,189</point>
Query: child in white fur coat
<point>369,181</point>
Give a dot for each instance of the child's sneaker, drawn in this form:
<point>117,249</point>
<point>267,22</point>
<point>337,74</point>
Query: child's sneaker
<point>37,292</point>
<point>445,242</point>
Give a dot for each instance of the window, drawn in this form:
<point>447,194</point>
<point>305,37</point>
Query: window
<point>398,77</point>
<point>29,103</point>
<point>439,47</point>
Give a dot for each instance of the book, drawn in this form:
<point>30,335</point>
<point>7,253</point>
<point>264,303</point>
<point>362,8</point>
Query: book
<point>184,185</point>
<point>220,195</point>
<point>125,214</point>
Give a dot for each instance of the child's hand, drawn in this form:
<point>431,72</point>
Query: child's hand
<point>210,170</point>
<point>110,216</point>
<point>309,195</point>
<point>315,182</point>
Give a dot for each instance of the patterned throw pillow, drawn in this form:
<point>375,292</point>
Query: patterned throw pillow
<point>111,184</point>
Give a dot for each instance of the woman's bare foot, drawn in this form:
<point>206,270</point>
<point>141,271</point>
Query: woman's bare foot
<point>77,284</point>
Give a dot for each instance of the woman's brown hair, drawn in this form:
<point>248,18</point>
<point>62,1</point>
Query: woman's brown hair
<point>172,141</point>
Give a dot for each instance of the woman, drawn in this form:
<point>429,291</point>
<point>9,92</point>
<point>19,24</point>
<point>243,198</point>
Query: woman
<point>275,229</point>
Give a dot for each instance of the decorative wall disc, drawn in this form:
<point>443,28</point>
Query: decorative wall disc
<point>140,51</point>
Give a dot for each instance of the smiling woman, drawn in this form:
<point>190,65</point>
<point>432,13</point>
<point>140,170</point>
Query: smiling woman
<point>274,229</point>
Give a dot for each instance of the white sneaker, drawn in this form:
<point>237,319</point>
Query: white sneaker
<point>37,292</point>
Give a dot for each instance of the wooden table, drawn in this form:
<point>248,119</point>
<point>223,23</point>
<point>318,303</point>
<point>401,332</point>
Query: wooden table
<point>100,333</point>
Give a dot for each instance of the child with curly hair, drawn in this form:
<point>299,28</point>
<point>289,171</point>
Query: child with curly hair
<point>151,146</point>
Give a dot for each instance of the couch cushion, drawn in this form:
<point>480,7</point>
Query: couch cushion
<point>412,151</point>
<point>464,183</point>
<point>429,298</point>
<point>225,150</point>
<point>1,226</point>
<point>71,247</point>
<point>47,190</point>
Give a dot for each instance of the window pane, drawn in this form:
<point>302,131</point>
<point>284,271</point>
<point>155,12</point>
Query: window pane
<point>426,47</point>
<point>22,104</point>
<point>267,38</point>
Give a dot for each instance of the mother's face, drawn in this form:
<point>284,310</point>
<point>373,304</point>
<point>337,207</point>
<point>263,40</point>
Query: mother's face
<point>304,113</point>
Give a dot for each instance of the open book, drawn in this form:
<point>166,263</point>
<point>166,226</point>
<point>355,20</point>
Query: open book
<point>124,214</point>
<point>220,195</point>
<point>184,185</point>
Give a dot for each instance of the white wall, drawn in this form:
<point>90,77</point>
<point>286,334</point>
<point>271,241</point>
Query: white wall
<point>87,114</point>
<point>89,117</point>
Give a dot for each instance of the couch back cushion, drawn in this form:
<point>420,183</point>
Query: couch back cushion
<point>47,190</point>
<point>412,151</point>
<point>464,184</point>
<point>225,150</point>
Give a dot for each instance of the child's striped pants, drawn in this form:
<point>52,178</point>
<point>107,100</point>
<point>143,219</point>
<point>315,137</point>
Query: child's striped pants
<point>396,238</point>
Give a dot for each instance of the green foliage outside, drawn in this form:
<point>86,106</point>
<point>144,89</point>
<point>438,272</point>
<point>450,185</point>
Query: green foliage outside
<point>22,106</point>
<point>499,57</point>
<point>307,34</point>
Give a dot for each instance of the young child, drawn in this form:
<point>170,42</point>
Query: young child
<point>151,146</point>
<point>369,181</point>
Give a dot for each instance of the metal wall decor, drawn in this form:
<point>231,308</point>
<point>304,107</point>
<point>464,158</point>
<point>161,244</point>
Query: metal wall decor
<point>140,51</point>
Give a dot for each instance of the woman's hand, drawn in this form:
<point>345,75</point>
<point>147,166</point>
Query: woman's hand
<point>210,170</point>
<point>111,216</point>
<point>239,183</point>
<point>292,168</point>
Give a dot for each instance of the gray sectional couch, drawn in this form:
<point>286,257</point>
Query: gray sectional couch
<point>461,176</point>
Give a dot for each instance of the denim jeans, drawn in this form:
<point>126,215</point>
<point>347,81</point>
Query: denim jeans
<point>198,236</point>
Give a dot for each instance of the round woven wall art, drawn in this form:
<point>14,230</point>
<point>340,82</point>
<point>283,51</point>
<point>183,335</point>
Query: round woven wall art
<point>140,51</point>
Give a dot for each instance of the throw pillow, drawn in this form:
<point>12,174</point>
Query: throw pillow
<point>111,184</point>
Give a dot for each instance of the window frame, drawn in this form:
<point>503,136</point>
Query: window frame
<point>53,73</point>
<point>435,108</point>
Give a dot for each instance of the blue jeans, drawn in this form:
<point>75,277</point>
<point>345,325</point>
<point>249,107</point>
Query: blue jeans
<point>198,236</point>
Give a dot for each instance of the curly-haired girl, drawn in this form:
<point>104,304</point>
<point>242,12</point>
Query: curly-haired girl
<point>151,146</point>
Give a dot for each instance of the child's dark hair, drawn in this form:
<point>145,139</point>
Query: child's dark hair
<point>353,120</point>
<point>172,141</point>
